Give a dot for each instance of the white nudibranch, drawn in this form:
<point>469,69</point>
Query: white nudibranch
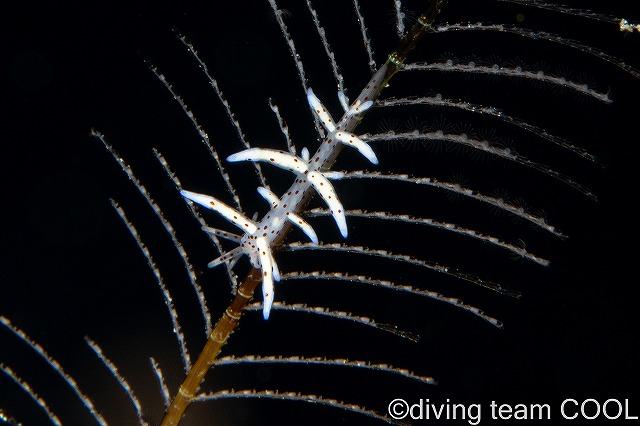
<point>346,138</point>
<point>298,165</point>
<point>256,239</point>
<point>254,246</point>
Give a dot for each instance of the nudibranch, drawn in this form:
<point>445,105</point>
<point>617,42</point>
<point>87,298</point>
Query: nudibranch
<point>258,237</point>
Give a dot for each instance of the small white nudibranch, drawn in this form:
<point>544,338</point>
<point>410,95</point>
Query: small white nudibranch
<point>256,240</point>
<point>292,163</point>
<point>253,245</point>
<point>346,138</point>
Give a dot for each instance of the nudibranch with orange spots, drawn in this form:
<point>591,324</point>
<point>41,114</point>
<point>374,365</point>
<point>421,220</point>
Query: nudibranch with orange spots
<point>258,236</point>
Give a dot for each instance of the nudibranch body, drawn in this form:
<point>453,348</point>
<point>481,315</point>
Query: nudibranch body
<point>311,172</point>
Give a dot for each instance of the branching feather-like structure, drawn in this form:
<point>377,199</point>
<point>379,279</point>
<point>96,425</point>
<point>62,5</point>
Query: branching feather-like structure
<point>461,248</point>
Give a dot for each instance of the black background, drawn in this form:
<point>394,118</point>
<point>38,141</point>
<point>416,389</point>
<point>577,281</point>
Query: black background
<point>70,268</point>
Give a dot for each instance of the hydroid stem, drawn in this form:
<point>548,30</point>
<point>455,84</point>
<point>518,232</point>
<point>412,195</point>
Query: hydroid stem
<point>218,337</point>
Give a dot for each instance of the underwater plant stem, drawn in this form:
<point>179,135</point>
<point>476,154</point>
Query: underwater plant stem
<point>218,337</point>
<point>231,317</point>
